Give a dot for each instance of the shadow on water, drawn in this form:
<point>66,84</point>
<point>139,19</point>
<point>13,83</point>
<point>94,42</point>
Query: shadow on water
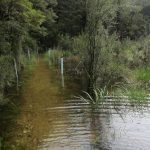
<point>50,119</point>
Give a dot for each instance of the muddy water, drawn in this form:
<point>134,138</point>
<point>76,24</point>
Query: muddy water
<point>51,119</point>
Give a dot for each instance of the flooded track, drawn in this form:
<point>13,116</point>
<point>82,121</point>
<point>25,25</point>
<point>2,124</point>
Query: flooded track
<point>52,120</point>
<point>79,126</point>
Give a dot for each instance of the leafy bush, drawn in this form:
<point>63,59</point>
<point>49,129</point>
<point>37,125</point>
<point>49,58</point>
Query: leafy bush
<point>79,44</point>
<point>7,71</point>
<point>53,56</point>
<point>1,143</point>
<point>137,95</point>
<point>143,74</point>
<point>3,100</point>
<point>26,61</point>
<point>65,42</point>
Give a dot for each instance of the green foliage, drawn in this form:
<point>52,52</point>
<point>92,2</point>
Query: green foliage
<point>98,96</point>
<point>99,44</point>
<point>135,54</point>
<point>7,76</point>
<point>53,55</point>
<point>47,30</point>
<point>111,37</point>
<point>71,16</point>
<point>30,44</point>
<point>21,146</point>
<point>7,70</point>
<point>29,63</point>
<point>79,44</point>
<point>22,26</point>
<point>137,95</point>
<point>65,43</point>
<point>130,21</point>
<point>143,74</point>
<point>106,47</point>
<point>1,143</point>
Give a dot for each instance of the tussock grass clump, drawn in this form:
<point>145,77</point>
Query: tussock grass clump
<point>133,95</point>
<point>143,74</point>
<point>97,98</point>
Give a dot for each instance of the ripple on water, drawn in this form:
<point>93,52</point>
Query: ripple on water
<point>78,126</point>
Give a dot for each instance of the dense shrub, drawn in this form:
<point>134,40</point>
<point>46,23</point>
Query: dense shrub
<point>65,42</point>
<point>7,71</point>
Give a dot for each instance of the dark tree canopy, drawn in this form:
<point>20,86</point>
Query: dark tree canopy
<point>71,16</point>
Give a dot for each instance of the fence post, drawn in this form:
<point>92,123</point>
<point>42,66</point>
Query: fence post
<point>49,55</point>
<point>62,81</point>
<point>16,72</point>
<point>62,65</point>
<point>62,72</point>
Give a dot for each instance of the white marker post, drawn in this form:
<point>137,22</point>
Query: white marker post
<point>62,72</point>
<point>49,55</point>
<point>16,71</point>
<point>62,81</point>
<point>62,65</point>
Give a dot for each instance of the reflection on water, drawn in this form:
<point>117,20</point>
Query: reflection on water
<point>79,126</point>
<point>62,81</point>
<point>53,120</point>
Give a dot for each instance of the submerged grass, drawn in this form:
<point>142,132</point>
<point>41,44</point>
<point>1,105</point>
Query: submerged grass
<point>135,96</point>
<point>98,98</point>
<point>135,90</point>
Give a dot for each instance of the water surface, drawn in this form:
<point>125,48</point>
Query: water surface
<point>51,119</point>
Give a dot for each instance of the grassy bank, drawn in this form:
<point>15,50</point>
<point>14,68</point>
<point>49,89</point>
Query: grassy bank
<point>135,90</point>
<point>134,83</point>
<point>11,104</point>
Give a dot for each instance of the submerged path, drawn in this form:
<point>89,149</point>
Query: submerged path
<point>41,92</point>
<point>51,119</point>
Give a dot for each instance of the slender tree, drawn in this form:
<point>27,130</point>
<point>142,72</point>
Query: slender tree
<point>100,15</point>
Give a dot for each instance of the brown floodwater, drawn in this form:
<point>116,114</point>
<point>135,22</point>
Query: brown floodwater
<point>52,119</point>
